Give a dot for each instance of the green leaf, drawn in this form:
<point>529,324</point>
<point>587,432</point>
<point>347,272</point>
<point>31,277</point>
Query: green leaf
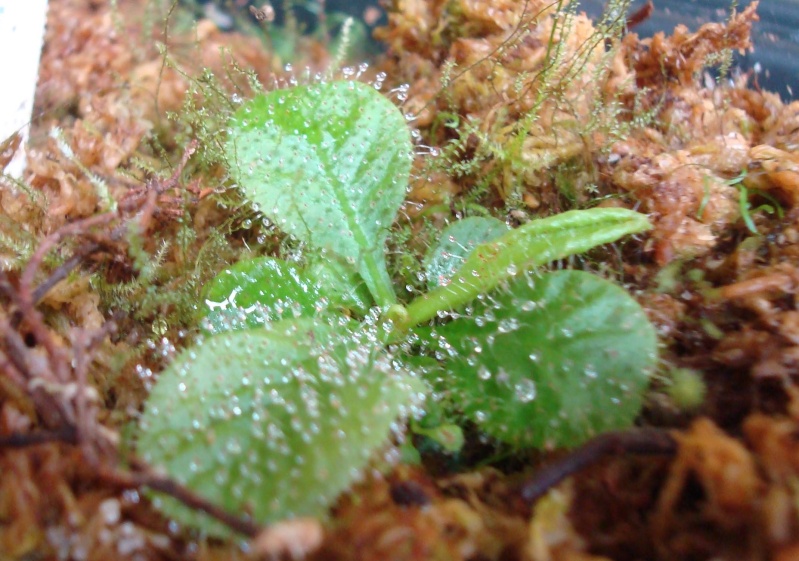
<point>448,436</point>
<point>536,243</point>
<point>551,360</point>
<point>329,164</point>
<point>457,241</point>
<point>275,422</point>
<point>340,284</point>
<point>253,292</point>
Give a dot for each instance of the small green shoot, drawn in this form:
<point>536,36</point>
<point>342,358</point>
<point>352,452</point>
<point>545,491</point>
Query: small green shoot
<point>743,200</point>
<point>686,388</point>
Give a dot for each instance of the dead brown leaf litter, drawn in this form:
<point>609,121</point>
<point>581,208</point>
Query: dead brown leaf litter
<point>723,298</point>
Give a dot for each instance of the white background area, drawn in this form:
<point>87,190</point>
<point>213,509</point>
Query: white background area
<point>21,35</point>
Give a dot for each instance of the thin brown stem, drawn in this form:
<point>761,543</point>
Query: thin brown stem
<point>62,271</point>
<point>66,435</point>
<point>8,370</point>
<point>71,229</point>
<point>59,363</point>
<point>52,411</point>
<point>640,15</point>
<point>647,441</point>
<point>163,484</point>
<point>84,418</point>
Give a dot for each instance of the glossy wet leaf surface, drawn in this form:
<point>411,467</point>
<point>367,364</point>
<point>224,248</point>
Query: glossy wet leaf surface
<point>340,284</point>
<point>328,164</point>
<point>531,245</point>
<point>274,421</point>
<point>253,292</point>
<point>550,361</point>
<point>455,244</point>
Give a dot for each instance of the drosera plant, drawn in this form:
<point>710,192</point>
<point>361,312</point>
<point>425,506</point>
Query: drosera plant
<point>307,369</point>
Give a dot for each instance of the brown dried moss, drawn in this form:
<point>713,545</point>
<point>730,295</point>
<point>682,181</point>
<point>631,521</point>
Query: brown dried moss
<point>730,312</point>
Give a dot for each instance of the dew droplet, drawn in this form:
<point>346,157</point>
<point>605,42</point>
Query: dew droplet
<point>525,390</point>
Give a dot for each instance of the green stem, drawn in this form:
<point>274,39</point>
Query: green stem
<point>374,273</point>
<point>536,243</point>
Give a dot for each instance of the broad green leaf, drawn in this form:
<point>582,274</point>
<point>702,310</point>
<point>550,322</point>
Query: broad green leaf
<point>329,164</point>
<point>253,292</point>
<point>534,244</point>
<point>275,422</point>
<point>550,360</point>
<point>457,241</point>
